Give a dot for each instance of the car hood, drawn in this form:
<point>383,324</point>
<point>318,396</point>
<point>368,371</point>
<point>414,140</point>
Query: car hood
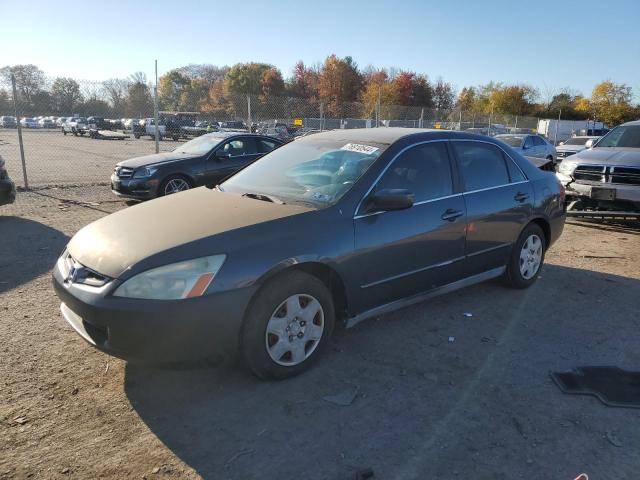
<point>569,148</point>
<point>154,159</point>
<point>610,156</point>
<point>118,241</point>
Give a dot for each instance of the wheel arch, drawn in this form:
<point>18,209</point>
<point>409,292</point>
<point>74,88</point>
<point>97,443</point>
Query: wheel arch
<point>544,224</point>
<point>325,273</point>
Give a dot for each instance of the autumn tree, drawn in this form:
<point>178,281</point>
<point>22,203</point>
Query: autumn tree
<point>611,102</point>
<point>272,83</point>
<point>339,82</point>
<point>65,95</point>
<point>466,99</point>
<point>30,80</point>
<point>379,87</point>
<point>414,89</point>
<point>115,90</point>
<point>139,101</point>
<point>246,78</point>
<point>171,87</point>
<point>443,96</point>
<point>513,99</point>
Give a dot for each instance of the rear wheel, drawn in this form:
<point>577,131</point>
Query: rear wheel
<point>288,325</point>
<point>174,184</point>
<point>526,258</point>
<point>64,132</point>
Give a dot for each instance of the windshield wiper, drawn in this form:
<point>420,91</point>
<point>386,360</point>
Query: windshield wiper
<point>263,197</point>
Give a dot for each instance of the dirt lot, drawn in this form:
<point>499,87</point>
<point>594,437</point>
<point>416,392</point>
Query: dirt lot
<point>56,159</point>
<point>481,407</point>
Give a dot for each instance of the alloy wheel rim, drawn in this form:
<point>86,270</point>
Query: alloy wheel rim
<point>294,330</point>
<point>176,185</point>
<point>530,256</point>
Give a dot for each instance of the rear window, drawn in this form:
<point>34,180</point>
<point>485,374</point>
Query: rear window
<point>576,141</point>
<point>511,140</point>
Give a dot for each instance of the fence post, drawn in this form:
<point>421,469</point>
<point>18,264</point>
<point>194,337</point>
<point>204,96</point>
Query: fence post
<point>249,112</point>
<point>155,112</point>
<point>490,115</point>
<point>460,121</point>
<point>421,124</point>
<point>555,136</point>
<point>321,116</point>
<point>15,110</point>
<point>516,125</point>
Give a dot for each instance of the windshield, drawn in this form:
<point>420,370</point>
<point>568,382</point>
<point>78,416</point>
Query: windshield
<point>511,140</point>
<point>576,141</point>
<point>315,170</point>
<point>199,145</point>
<point>625,136</point>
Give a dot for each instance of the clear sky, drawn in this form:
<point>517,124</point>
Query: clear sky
<point>548,44</point>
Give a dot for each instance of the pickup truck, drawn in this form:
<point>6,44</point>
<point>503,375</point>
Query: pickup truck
<point>148,129</point>
<point>77,126</point>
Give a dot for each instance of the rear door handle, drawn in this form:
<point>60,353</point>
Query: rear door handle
<point>521,197</point>
<point>451,214</point>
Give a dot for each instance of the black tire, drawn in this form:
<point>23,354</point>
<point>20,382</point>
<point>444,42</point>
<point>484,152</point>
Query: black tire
<point>136,135</point>
<point>175,138</point>
<point>267,300</point>
<point>75,132</point>
<point>165,182</point>
<point>513,275</point>
<point>64,132</point>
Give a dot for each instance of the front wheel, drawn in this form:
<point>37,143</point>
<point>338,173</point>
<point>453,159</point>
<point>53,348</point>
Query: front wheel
<point>173,184</point>
<point>288,325</point>
<point>64,132</point>
<point>526,258</point>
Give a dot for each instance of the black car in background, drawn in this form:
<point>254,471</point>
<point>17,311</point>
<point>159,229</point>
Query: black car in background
<point>205,160</point>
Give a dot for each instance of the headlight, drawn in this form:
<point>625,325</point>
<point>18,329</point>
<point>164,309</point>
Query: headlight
<point>567,168</point>
<point>144,172</point>
<point>187,279</point>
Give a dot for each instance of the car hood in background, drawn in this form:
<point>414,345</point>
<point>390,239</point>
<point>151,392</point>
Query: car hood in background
<point>118,241</point>
<point>154,159</point>
<point>629,157</point>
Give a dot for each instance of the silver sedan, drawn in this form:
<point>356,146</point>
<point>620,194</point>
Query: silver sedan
<point>530,145</point>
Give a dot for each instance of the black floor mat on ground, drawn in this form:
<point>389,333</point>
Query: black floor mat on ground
<point>612,385</point>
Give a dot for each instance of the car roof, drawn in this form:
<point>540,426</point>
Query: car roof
<point>633,122</point>
<point>520,135</point>
<point>383,135</point>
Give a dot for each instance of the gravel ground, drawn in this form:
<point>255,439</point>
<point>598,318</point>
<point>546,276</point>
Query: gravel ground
<point>481,406</point>
<point>55,159</point>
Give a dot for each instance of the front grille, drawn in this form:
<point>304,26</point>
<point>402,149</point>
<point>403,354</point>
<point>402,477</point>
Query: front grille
<point>124,172</point>
<point>590,173</point>
<point>74,272</point>
<point>605,174</point>
<point>625,175</point>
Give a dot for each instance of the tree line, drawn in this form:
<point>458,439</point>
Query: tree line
<point>337,86</point>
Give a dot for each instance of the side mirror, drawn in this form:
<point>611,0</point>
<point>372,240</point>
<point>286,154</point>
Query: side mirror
<point>222,155</point>
<point>390,199</point>
<point>589,143</point>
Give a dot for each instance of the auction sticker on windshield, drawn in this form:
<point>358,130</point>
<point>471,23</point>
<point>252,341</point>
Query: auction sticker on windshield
<point>356,147</point>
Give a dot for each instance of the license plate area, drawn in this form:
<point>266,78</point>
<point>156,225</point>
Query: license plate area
<point>598,193</point>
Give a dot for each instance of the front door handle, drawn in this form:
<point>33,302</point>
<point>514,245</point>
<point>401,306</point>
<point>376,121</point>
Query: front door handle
<point>451,214</point>
<point>521,196</point>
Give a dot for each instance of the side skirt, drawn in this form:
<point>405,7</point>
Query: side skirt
<point>420,297</point>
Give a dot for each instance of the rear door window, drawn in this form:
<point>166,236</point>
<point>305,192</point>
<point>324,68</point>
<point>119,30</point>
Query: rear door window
<point>538,142</point>
<point>239,147</point>
<point>482,165</point>
<point>265,146</point>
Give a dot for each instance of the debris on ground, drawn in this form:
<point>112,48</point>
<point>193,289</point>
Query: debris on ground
<point>344,399</point>
<point>20,420</point>
<point>239,454</point>
<point>613,440</point>
<point>468,314</point>
<point>452,339</point>
<point>364,474</point>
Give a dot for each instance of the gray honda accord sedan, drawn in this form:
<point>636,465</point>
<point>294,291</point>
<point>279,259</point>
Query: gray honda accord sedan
<point>333,227</point>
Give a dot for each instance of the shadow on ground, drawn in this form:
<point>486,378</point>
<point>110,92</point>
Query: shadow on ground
<point>27,249</point>
<point>425,404</point>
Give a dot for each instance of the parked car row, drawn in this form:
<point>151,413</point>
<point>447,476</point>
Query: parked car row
<point>350,224</point>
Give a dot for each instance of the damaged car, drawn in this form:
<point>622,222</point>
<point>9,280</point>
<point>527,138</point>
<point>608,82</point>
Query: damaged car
<point>606,175</point>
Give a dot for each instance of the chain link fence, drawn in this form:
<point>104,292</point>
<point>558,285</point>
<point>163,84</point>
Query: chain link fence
<point>73,134</point>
